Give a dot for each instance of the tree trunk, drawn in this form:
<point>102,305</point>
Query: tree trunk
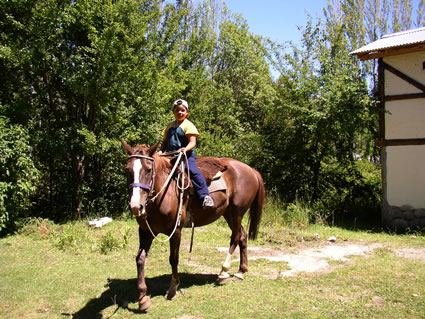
<point>78,169</point>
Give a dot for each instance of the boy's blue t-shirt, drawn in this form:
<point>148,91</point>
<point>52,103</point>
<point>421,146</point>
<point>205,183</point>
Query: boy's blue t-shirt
<point>176,135</point>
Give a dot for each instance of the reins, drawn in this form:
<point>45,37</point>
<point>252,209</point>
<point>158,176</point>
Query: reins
<point>180,185</point>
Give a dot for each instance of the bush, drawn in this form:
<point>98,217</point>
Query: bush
<point>277,213</point>
<point>349,195</point>
<point>109,242</point>
<point>18,174</point>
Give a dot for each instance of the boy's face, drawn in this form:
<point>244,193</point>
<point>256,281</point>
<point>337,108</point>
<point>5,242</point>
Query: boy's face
<point>180,113</point>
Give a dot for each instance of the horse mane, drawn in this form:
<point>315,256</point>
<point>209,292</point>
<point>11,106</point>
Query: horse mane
<point>163,163</point>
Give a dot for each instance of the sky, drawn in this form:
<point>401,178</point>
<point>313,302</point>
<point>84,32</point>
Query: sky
<point>277,19</point>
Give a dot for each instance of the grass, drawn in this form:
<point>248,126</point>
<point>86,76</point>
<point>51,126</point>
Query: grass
<point>71,270</point>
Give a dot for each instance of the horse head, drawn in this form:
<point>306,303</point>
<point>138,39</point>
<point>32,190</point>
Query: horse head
<point>140,175</point>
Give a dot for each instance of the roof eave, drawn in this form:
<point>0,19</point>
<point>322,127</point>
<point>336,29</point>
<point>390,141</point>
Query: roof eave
<point>368,55</point>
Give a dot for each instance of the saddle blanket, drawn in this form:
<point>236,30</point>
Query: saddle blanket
<point>217,185</point>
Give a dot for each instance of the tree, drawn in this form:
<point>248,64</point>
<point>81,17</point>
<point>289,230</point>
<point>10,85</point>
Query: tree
<point>420,17</point>
<point>18,174</point>
<point>83,73</point>
<point>323,118</point>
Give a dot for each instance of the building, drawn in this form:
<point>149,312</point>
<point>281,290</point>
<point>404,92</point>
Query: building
<point>401,76</point>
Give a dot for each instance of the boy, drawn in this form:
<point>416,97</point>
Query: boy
<point>181,136</point>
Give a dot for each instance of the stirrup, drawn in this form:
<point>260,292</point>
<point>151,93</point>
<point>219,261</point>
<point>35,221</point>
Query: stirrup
<point>208,202</point>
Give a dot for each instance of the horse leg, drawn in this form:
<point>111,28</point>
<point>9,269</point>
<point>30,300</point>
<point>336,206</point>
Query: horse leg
<point>235,225</point>
<point>174,261</point>
<point>243,249</point>
<point>145,241</point>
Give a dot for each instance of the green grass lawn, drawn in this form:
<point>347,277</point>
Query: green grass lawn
<point>72,271</point>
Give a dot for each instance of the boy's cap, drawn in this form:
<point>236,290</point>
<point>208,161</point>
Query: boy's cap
<point>181,102</point>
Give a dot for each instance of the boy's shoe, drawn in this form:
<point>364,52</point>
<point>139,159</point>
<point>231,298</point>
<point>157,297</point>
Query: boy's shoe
<point>208,202</point>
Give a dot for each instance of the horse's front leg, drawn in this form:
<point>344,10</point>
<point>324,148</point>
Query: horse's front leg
<point>145,241</point>
<point>174,261</point>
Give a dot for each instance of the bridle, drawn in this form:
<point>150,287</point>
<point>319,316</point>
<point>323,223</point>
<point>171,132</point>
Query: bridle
<point>150,188</point>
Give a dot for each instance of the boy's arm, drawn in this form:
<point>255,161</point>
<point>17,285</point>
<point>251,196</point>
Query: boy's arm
<point>163,145</point>
<point>164,141</point>
<point>191,144</point>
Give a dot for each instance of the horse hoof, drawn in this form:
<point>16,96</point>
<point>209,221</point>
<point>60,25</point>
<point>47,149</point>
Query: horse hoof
<point>144,304</point>
<point>171,294</point>
<point>239,276</point>
<point>221,281</point>
<point>223,275</point>
<point>223,278</point>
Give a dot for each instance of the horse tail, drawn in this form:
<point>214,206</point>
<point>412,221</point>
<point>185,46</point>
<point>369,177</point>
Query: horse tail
<point>256,209</point>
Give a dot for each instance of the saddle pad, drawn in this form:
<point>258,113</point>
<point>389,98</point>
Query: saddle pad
<point>217,185</point>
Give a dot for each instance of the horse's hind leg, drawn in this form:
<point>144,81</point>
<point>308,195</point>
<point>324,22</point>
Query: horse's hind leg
<point>145,241</point>
<point>243,249</point>
<point>174,261</point>
<point>238,237</point>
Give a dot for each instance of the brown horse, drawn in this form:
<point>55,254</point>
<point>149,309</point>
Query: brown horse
<point>155,202</point>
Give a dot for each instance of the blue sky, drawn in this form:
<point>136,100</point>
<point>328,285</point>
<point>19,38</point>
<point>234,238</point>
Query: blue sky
<point>277,19</point>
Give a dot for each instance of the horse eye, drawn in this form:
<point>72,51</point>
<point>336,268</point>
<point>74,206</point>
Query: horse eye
<point>148,171</point>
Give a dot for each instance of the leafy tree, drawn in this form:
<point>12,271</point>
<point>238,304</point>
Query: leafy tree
<point>420,17</point>
<point>80,74</point>
<point>401,15</point>
<point>323,119</point>
<point>77,75</point>
<point>87,75</point>
<point>18,174</point>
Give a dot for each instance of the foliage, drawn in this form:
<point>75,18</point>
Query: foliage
<point>79,75</point>
<point>323,122</point>
<point>18,174</point>
<point>277,213</point>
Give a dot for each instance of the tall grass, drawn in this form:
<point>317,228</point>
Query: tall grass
<point>77,237</point>
<point>277,213</point>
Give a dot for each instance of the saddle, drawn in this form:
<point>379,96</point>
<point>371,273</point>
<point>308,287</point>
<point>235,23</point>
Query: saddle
<point>212,168</point>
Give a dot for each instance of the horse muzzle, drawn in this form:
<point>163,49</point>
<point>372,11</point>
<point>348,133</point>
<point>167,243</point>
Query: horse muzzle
<point>137,210</point>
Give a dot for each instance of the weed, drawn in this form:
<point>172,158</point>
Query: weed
<point>125,236</point>
<point>36,227</point>
<point>68,238</point>
<point>278,213</point>
<point>109,242</point>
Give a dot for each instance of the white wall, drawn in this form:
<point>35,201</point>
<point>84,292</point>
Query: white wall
<point>405,165</point>
<point>406,176</point>
<point>410,64</point>
<point>405,119</point>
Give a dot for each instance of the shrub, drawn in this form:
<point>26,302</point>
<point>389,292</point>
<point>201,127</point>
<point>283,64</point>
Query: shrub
<point>18,174</point>
<point>109,242</point>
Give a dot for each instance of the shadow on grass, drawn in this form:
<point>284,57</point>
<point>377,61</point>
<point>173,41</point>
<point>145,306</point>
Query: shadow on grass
<point>121,292</point>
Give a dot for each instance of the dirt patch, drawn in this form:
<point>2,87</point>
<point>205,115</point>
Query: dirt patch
<point>411,253</point>
<point>310,260</point>
<point>319,258</point>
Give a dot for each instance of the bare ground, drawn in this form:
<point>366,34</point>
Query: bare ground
<point>318,259</point>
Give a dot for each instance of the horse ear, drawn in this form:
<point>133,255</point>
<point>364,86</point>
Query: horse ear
<point>153,148</point>
<point>127,147</point>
